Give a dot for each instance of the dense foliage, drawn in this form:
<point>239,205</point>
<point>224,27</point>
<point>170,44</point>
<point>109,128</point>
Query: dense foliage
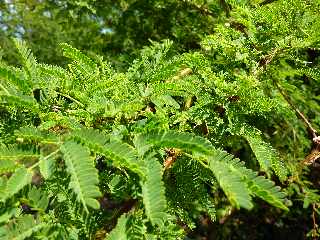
<point>178,126</point>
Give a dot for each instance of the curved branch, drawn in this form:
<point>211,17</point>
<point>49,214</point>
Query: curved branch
<point>310,128</point>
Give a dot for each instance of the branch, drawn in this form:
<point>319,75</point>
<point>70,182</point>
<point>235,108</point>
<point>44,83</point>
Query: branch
<point>310,128</point>
<point>315,151</point>
<point>315,225</point>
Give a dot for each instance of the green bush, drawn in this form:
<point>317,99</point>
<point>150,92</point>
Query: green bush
<point>91,152</point>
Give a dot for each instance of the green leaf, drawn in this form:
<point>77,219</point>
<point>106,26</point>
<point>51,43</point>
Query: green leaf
<point>120,153</point>
<point>123,155</point>
<point>119,232</point>
<point>5,217</point>
<point>38,198</point>
<point>185,141</point>
<point>46,166</point>
<point>7,165</point>
<point>257,185</point>
<point>235,189</point>
<point>35,134</point>
<point>266,190</point>
<point>84,176</point>
<point>20,101</point>
<point>21,228</point>
<point>267,156</point>
<point>260,150</point>
<point>3,187</point>
<point>153,191</point>
<point>77,55</point>
<point>14,153</point>
<point>167,100</point>
<point>13,78</point>
<point>83,64</point>
<point>20,178</point>
<point>29,62</point>
<point>92,138</point>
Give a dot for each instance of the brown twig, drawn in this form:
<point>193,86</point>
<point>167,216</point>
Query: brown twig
<point>172,155</point>
<point>315,151</point>
<point>310,128</point>
<point>315,225</point>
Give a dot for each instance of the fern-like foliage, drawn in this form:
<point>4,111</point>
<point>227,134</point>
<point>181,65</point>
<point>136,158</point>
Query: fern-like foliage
<point>14,153</point>
<point>222,166</point>
<point>47,166</point>
<point>122,154</point>
<point>13,80</point>
<point>19,179</point>
<point>84,177</point>
<point>29,62</point>
<point>119,232</point>
<point>234,188</point>
<point>85,62</point>
<point>186,141</point>
<point>267,157</point>
<point>7,165</point>
<point>28,134</point>
<point>153,191</point>
<point>22,228</point>
<point>188,189</point>
<point>256,185</point>
<point>142,148</point>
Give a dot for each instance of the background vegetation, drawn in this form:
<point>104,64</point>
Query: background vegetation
<point>121,119</point>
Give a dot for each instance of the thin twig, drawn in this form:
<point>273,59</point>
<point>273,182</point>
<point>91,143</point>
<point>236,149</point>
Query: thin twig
<point>315,225</point>
<point>311,129</point>
<point>45,158</point>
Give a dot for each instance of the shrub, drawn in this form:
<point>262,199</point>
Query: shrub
<point>90,152</point>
